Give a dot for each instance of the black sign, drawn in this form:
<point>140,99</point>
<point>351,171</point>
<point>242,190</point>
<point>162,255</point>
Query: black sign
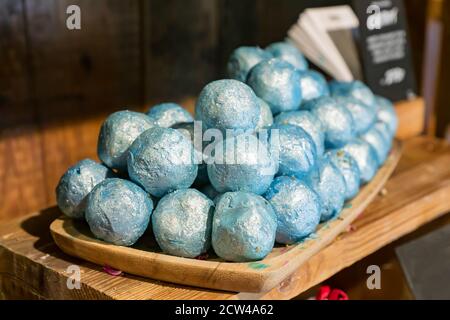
<point>385,49</point>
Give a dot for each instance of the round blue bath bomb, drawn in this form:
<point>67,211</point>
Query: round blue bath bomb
<point>376,139</point>
<point>354,89</point>
<point>117,134</point>
<point>308,122</point>
<point>366,158</point>
<point>313,85</point>
<point>265,119</point>
<point>349,170</point>
<point>278,83</point>
<point>118,211</point>
<point>383,129</point>
<point>329,184</point>
<point>242,163</point>
<point>363,116</point>
<point>75,185</point>
<point>162,160</point>
<point>169,114</point>
<point>244,227</point>
<point>337,122</point>
<point>243,59</point>
<point>297,207</point>
<point>386,114</point>
<point>286,51</point>
<point>182,223</point>
<point>294,148</point>
<point>188,130</point>
<point>228,105</point>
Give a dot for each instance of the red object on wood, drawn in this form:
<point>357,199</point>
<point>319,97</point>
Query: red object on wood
<point>327,293</point>
<point>112,271</point>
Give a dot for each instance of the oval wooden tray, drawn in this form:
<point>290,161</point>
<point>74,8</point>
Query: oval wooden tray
<point>145,258</point>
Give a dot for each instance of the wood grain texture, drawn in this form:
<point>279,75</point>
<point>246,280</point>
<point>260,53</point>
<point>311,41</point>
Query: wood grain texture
<point>418,192</point>
<point>411,115</point>
<point>146,260</point>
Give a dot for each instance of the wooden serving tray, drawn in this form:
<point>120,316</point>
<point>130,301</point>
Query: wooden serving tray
<point>146,259</point>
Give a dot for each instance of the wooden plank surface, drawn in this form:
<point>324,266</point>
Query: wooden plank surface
<point>31,265</point>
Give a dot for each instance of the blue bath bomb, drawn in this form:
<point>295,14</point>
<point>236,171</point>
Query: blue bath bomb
<point>169,114</point>
<point>386,114</point>
<point>242,163</point>
<point>363,116</point>
<point>244,227</point>
<point>265,119</point>
<point>294,148</point>
<point>278,83</point>
<point>228,105</point>
<point>243,59</point>
<point>366,158</point>
<point>182,223</point>
<point>385,132</point>
<point>162,160</point>
<point>308,122</point>
<point>297,206</point>
<point>349,170</point>
<point>188,130</point>
<point>336,120</point>
<point>329,184</point>
<point>313,85</point>
<point>286,51</point>
<point>75,185</point>
<point>118,211</point>
<point>354,89</point>
<point>376,139</point>
<point>117,134</point>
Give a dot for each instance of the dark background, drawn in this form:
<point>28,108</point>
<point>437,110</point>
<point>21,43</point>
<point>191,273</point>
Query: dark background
<point>56,85</point>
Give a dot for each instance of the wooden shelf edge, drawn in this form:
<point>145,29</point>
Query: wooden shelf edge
<point>411,115</point>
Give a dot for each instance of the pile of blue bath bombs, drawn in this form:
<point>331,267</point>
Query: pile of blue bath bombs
<point>318,143</point>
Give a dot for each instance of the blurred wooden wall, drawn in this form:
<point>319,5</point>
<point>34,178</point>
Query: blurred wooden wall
<point>57,85</point>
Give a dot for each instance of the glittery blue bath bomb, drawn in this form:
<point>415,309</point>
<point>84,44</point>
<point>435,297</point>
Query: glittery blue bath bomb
<point>297,206</point>
<point>313,85</point>
<point>363,116</point>
<point>75,185</point>
<point>162,160</point>
<point>366,158</point>
<point>349,170</point>
<point>278,83</point>
<point>376,139</point>
<point>308,122</point>
<point>383,129</point>
<point>244,227</point>
<point>386,114</point>
<point>169,114</point>
<point>265,119</point>
<point>329,184</point>
<point>243,59</point>
<point>294,148</point>
<point>187,129</point>
<point>242,163</point>
<point>288,52</point>
<point>228,105</point>
<point>182,223</point>
<point>117,134</point>
<point>118,211</point>
<point>354,89</point>
<point>336,120</point>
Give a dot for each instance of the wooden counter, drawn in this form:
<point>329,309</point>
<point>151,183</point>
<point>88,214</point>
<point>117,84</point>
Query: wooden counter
<point>31,266</point>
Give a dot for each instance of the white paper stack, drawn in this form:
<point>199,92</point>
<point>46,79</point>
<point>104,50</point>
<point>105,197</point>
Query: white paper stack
<point>326,38</point>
